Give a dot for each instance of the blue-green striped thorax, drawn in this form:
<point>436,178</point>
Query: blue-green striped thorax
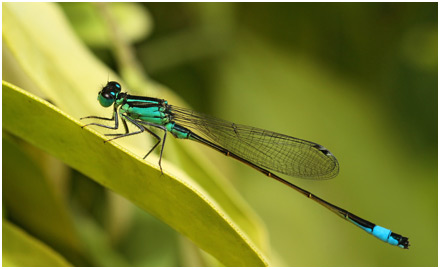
<point>145,109</point>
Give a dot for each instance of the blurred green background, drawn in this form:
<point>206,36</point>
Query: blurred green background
<point>358,78</point>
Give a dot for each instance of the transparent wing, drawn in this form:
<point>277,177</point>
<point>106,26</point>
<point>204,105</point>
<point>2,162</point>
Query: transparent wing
<point>285,154</point>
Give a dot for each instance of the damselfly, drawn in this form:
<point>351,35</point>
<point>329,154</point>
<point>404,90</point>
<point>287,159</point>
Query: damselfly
<point>262,150</point>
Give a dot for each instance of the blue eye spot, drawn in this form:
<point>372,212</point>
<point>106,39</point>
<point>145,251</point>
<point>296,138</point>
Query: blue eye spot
<point>117,85</point>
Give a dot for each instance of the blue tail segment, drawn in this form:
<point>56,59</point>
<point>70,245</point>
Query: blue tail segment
<point>382,233</point>
<point>387,236</point>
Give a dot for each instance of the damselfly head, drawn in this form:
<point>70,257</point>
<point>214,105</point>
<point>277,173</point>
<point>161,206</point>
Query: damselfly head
<point>109,93</point>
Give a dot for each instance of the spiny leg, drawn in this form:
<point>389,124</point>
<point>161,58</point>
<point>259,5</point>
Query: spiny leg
<point>137,123</point>
<point>127,132</point>
<point>125,127</point>
<point>161,150</point>
<point>113,118</point>
<point>155,145</point>
<point>141,129</point>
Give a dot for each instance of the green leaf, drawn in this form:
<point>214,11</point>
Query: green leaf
<point>21,249</point>
<point>33,204</point>
<point>203,207</point>
<point>172,197</point>
<point>132,18</point>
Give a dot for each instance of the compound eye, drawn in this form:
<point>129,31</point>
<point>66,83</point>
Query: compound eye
<point>106,99</point>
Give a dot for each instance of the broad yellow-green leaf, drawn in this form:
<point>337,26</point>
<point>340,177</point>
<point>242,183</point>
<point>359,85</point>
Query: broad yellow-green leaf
<point>59,68</point>
<point>172,197</point>
<point>21,249</point>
